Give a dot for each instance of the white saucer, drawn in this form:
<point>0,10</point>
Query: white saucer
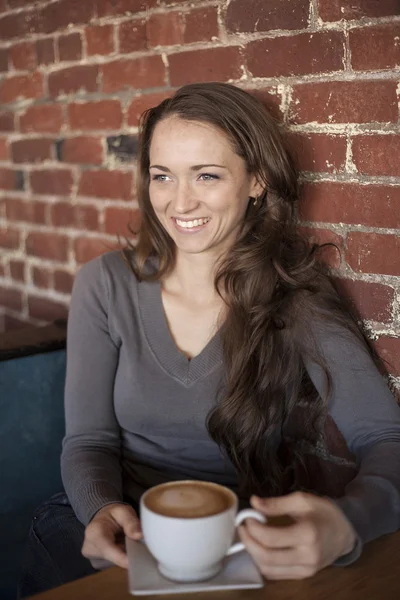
<point>239,572</point>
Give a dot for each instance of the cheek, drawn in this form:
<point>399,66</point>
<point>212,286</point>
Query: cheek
<point>159,198</point>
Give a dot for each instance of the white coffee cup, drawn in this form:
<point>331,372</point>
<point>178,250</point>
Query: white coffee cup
<point>193,549</point>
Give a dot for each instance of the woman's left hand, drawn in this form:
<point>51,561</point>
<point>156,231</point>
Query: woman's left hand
<point>318,535</point>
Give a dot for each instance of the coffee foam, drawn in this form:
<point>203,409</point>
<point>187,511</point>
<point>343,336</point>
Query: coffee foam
<point>188,500</point>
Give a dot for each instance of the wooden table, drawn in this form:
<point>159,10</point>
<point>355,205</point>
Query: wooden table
<point>375,576</point>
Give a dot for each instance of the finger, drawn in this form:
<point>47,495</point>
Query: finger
<point>114,554</point>
<point>266,556</point>
<point>281,573</point>
<point>270,536</point>
<point>99,543</point>
<point>126,517</point>
<point>293,504</point>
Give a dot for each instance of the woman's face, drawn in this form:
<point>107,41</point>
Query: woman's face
<point>199,188</point>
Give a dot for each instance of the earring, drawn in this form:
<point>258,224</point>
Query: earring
<point>255,201</point>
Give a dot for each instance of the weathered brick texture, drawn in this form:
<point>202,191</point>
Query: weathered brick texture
<point>76,75</point>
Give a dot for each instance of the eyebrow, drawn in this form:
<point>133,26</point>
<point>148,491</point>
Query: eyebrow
<point>193,168</point>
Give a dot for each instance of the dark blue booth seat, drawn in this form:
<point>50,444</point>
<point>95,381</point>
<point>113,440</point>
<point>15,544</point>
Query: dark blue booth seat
<point>32,376</point>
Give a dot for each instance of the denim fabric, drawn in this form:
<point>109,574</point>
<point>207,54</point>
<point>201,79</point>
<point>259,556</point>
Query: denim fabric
<point>52,554</point>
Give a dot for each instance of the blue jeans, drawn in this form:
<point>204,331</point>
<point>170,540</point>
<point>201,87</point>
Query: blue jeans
<point>52,554</point>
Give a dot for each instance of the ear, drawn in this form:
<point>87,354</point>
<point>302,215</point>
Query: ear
<point>256,188</point>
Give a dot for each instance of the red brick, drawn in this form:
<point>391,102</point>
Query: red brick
<point>375,47</point>
<point>318,151</point>
<point>21,87</point>
<point>99,40</point>
<point>23,56</point>
<point>57,182</point>
<point>9,238</point>
<point>335,10</point>
<point>132,36</point>
<point>45,51</point>
<point>345,102</point>
<point>106,114</point>
<point>63,281</point>
<point>79,217</point>
<point>372,301</point>
<point>389,350</point>
<point>141,103</point>
<point>301,54</point>
<point>370,205</point>
<point>61,14</point>
<point>116,221</point>
<point>11,298</point>
<point>17,270</point>
<point>3,60</point>
<point>139,73</point>
<point>73,80</point>
<point>201,25</point>
<point>108,8</point>
<point>214,64</point>
<point>70,47</point>
<point>8,179</point>
<point>47,245</point>
<point>377,154</point>
<point>4,154</point>
<point>165,29</point>
<point>7,121</point>
<point>106,184</point>
<point>29,211</point>
<point>31,150</point>
<point>44,118</point>
<point>177,2</point>
<point>12,26</point>
<point>329,254</point>
<point>257,15</point>
<point>82,150</point>
<point>373,253</point>
<point>86,249</point>
<point>13,323</point>
<point>271,98</point>
<point>45,309</point>
<point>41,277</point>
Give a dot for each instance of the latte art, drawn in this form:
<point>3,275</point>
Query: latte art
<point>188,500</point>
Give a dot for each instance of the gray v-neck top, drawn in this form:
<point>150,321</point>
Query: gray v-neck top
<point>136,407</point>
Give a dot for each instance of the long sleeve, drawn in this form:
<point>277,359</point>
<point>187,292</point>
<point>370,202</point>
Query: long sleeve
<point>90,461</point>
<point>369,419</point>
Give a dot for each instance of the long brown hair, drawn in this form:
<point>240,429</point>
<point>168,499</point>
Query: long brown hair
<point>273,286</point>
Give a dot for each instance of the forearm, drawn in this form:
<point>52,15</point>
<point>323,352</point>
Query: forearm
<point>92,478</point>
<point>372,499</point>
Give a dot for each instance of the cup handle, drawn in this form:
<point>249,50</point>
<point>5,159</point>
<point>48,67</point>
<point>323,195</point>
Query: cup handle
<point>247,513</point>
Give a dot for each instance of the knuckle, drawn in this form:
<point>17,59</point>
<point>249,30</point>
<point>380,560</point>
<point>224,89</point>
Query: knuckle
<point>94,529</point>
<point>313,557</point>
<point>312,534</point>
<point>309,571</point>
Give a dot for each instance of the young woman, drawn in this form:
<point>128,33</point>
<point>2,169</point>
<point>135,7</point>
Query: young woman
<point>218,350</point>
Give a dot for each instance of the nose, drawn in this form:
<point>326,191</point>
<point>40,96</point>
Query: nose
<point>185,200</point>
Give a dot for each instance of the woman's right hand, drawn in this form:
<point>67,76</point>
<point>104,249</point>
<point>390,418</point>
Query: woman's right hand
<point>104,536</point>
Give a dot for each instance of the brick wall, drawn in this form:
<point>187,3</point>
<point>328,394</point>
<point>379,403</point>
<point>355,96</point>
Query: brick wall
<point>76,74</point>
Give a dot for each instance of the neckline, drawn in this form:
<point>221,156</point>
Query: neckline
<point>163,346</point>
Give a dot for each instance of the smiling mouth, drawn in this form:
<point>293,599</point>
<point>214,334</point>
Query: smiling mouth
<point>192,223</point>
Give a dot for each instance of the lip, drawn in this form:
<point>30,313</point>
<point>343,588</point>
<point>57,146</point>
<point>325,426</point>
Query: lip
<point>192,229</point>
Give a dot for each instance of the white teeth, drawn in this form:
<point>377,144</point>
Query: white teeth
<point>190,224</point>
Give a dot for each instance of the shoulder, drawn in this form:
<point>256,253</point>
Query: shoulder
<point>108,266</point>
<point>104,277</point>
